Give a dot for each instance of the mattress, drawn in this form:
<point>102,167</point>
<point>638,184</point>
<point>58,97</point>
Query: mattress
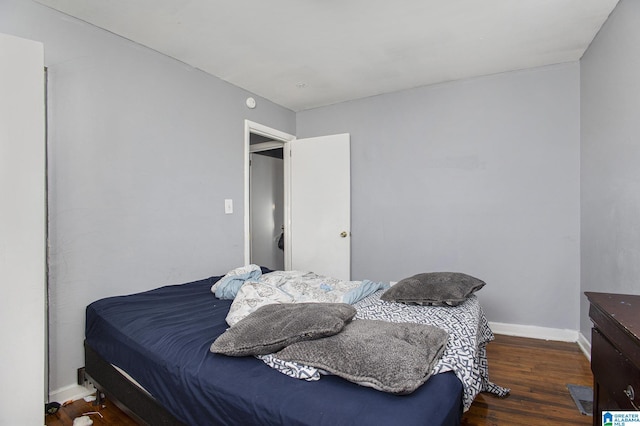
<point>161,338</point>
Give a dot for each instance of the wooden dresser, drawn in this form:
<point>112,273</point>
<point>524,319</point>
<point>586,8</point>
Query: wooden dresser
<point>615,352</point>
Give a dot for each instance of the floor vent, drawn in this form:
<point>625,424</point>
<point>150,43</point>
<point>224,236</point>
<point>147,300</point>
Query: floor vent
<point>583,397</point>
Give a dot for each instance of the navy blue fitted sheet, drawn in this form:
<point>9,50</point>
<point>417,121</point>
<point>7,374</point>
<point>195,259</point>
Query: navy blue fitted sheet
<point>162,338</point>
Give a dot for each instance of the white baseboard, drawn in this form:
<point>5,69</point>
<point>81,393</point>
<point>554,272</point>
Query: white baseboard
<point>70,393</point>
<point>534,332</point>
<point>585,345</point>
<point>545,333</point>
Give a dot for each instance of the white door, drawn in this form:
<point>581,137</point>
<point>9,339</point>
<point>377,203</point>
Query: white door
<point>320,206</point>
<point>22,231</point>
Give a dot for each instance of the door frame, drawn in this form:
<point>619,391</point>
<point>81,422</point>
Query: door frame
<point>251,127</point>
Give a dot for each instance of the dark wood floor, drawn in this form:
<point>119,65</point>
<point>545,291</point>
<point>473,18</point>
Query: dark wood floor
<point>106,414</point>
<point>537,371</point>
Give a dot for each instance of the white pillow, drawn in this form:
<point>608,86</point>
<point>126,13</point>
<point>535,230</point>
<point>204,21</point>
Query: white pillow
<point>251,296</point>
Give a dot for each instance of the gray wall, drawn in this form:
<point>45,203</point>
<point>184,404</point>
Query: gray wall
<point>610,164</point>
<point>479,176</point>
<point>143,150</point>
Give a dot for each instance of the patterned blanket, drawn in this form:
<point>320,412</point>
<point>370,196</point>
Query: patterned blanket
<point>295,287</point>
<point>465,353</point>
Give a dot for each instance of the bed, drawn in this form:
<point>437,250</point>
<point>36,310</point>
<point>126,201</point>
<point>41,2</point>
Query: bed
<point>150,353</point>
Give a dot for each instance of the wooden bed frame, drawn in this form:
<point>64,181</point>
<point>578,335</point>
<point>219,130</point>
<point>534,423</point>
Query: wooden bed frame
<point>131,399</point>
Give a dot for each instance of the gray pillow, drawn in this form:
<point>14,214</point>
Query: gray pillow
<point>391,357</point>
<point>273,327</point>
<point>434,288</point>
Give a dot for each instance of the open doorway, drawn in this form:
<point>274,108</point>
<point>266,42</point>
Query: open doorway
<point>266,201</point>
<point>266,196</point>
<point>317,205</point>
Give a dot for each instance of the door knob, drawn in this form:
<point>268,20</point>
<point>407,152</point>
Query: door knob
<point>344,234</point>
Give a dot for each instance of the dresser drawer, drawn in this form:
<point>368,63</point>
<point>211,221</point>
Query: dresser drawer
<point>614,332</point>
<point>615,374</point>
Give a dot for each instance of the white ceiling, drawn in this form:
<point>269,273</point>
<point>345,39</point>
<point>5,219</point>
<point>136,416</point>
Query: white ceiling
<point>303,54</point>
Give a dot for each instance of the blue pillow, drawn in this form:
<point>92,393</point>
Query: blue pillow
<point>227,287</point>
<point>365,289</point>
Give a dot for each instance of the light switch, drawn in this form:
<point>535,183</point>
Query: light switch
<point>228,206</point>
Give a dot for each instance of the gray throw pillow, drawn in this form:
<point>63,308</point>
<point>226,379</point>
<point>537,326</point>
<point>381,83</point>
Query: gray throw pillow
<point>434,288</point>
<point>273,327</point>
<point>391,357</point>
